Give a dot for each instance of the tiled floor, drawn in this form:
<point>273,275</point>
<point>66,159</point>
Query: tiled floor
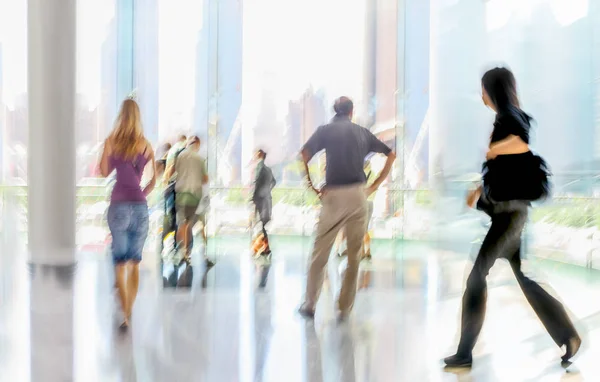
<point>226,329</point>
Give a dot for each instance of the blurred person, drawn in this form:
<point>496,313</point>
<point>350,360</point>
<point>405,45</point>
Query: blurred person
<point>161,165</point>
<point>343,198</point>
<point>157,196</point>
<point>192,175</point>
<point>175,149</point>
<point>170,157</point>
<point>169,193</point>
<point>127,152</point>
<point>161,162</point>
<point>264,182</point>
<point>513,177</point>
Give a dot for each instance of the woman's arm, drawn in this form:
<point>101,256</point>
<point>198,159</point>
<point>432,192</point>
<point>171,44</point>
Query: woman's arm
<point>510,145</point>
<point>306,157</point>
<point>168,174</point>
<point>150,186</point>
<point>473,196</point>
<point>105,169</point>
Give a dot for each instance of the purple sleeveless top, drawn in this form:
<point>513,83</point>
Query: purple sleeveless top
<point>129,175</point>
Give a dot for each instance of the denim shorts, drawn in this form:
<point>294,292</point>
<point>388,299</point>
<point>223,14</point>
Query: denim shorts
<point>128,224</point>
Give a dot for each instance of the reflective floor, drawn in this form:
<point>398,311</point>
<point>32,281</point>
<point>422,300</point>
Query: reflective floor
<point>225,328</point>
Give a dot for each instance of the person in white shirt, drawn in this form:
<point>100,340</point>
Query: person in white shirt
<point>191,177</point>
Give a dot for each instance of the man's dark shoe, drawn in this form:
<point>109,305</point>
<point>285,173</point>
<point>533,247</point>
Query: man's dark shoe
<point>458,361</point>
<point>342,317</point>
<point>306,313</point>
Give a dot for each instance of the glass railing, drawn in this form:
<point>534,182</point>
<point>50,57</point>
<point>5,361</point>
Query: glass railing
<point>564,229</point>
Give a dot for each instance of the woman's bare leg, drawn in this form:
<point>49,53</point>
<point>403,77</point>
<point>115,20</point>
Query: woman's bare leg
<point>121,281</point>
<point>133,281</point>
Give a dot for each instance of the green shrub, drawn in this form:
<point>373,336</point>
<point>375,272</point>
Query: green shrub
<point>573,213</point>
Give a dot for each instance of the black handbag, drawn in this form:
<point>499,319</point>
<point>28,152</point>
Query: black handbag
<point>524,177</point>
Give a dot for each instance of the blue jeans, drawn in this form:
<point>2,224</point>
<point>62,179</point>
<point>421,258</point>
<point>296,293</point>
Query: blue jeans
<point>128,224</point>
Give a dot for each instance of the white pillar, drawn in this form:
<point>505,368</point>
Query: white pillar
<point>51,181</point>
<point>51,165</point>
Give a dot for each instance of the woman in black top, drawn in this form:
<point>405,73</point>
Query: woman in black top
<point>504,196</point>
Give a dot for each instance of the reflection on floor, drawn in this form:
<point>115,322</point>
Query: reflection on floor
<point>227,329</point>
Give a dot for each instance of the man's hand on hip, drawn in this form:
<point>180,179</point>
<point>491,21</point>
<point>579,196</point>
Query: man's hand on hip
<point>320,192</point>
<point>370,190</point>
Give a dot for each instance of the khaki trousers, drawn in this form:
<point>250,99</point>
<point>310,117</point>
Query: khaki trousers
<point>342,207</point>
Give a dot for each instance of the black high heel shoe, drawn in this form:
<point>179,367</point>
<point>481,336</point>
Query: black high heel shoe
<point>572,346</point>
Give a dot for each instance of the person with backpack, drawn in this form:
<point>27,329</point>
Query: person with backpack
<point>192,176</point>
<point>169,176</point>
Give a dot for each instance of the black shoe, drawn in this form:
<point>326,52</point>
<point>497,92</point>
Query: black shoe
<point>306,313</point>
<point>342,317</point>
<point>124,327</point>
<point>209,263</point>
<point>344,253</point>
<point>458,361</point>
<point>573,346</point>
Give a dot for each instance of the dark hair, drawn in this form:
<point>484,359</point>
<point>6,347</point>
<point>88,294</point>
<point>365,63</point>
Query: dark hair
<point>262,153</point>
<point>343,106</point>
<point>501,87</point>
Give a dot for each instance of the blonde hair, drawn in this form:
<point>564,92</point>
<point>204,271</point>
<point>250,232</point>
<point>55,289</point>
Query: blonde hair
<point>128,134</point>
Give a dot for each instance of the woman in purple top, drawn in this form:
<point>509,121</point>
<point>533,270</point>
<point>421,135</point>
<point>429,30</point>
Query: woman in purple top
<point>127,152</point>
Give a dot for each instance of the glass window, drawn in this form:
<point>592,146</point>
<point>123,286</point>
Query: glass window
<point>13,91</point>
<point>170,78</point>
<point>218,70</point>
<point>242,80</point>
<point>13,121</point>
<point>99,23</point>
<point>549,45</point>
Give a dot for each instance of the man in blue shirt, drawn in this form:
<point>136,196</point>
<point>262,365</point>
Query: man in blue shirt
<point>344,199</point>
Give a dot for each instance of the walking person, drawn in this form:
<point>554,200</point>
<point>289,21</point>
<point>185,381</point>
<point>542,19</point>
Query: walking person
<point>169,230</point>
<point>127,152</point>
<point>343,198</point>
<point>264,182</point>
<point>191,177</point>
<point>513,177</point>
